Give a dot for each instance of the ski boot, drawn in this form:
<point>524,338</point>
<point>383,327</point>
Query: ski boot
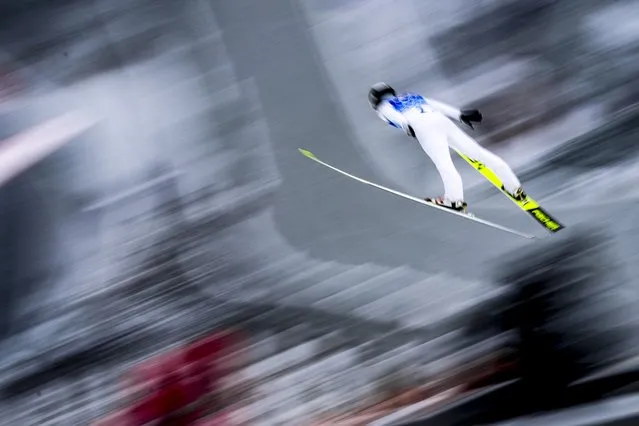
<point>518,195</point>
<point>458,206</point>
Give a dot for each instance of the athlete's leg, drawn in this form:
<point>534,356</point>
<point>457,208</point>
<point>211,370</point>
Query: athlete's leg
<point>432,138</point>
<point>468,146</point>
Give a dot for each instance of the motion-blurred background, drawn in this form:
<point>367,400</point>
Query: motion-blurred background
<point>168,256</point>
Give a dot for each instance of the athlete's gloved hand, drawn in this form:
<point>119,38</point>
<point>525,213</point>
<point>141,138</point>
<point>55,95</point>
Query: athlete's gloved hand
<point>469,115</point>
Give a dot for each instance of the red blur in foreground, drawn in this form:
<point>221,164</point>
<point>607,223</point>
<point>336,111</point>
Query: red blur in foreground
<point>180,387</point>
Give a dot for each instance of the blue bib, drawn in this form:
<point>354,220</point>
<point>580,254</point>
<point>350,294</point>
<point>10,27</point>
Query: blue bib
<point>407,101</point>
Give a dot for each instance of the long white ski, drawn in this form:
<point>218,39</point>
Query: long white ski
<point>469,216</point>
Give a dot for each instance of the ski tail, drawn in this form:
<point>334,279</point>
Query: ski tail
<point>528,205</point>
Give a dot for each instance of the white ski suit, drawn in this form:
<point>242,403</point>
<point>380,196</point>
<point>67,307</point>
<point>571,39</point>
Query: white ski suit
<point>436,134</point>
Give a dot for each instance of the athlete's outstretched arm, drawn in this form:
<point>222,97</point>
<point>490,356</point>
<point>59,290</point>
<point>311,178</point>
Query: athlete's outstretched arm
<point>445,109</point>
<point>466,116</point>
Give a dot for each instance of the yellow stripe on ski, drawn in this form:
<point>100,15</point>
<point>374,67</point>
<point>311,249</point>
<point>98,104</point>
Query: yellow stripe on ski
<point>528,205</point>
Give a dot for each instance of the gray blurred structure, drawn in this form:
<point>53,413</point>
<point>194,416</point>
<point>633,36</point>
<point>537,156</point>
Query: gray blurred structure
<point>187,205</point>
<point>570,310</point>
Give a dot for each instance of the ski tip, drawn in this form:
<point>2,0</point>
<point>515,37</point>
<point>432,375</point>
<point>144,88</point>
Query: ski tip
<point>306,153</point>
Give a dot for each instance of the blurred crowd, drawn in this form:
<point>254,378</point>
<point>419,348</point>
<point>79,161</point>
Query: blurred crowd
<point>202,383</point>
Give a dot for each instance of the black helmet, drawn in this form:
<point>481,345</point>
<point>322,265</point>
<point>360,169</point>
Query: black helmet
<point>377,92</point>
